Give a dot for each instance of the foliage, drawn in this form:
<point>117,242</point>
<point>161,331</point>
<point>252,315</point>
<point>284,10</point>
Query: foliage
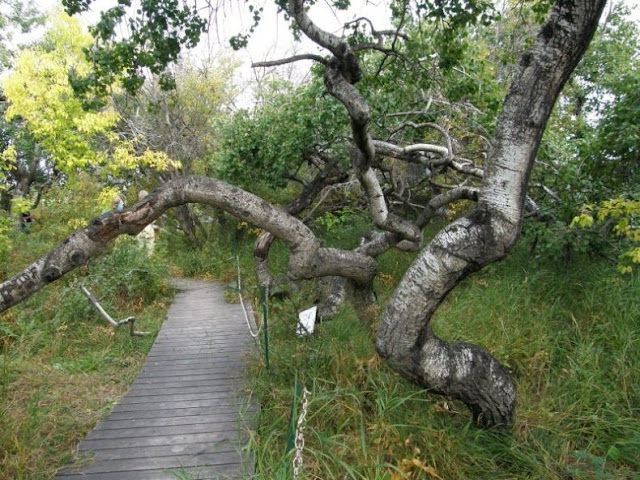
<point>61,366</point>
<point>158,31</point>
<point>15,15</point>
<point>619,216</point>
<point>574,355</point>
<point>182,122</point>
<point>39,92</point>
<point>376,426</point>
<point>279,137</point>
<point>588,151</point>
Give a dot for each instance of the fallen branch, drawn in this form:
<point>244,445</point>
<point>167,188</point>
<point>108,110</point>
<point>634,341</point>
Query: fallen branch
<point>107,317</point>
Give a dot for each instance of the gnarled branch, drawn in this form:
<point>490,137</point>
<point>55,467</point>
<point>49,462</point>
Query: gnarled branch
<point>307,258</point>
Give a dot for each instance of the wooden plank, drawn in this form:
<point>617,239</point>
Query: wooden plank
<point>150,392</point>
<point>229,386</point>
<point>179,412</point>
<point>225,405</point>
<point>185,412</point>
<point>157,463</point>
<point>199,377</point>
<point>162,450</point>
<point>218,373</point>
<point>216,438</point>
<point>163,431</point>
<point>175,461</point>
<point>112,424</point>
<point>193,473</point>
<point>197,362</point>
<point>240,337</point>
<point>231,367</point>
<point>177,397</point>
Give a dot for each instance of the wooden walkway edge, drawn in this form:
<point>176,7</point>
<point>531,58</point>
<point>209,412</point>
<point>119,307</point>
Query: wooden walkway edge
<point>184,416</point>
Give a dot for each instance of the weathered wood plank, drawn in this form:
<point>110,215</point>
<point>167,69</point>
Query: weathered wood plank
<point>156,463</point>
<point>163,431</point>
<point>99,445</point>
<point>176,397</point>
<point>233,368</point>
<point>111,424</point>
<point>185,412</point>
<point>164,450</point>
<point>150,392</point>
<point>200,473</point>
<point>160,413</point>
<point>216,403</point>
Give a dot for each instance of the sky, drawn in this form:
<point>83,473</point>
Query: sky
<point>272,40</point>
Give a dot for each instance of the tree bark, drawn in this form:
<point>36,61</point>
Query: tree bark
<point>405,336</point>
<point>307,259</point>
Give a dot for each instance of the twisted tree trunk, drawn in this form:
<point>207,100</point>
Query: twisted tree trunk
<point>405,336</point>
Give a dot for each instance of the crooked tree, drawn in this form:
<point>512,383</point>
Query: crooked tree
<point>405,337</point>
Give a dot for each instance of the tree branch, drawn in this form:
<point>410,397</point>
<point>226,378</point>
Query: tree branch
<point>295,58</point>
<point>307,259</point>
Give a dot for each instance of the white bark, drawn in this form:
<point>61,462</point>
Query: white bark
<point>405,336</point>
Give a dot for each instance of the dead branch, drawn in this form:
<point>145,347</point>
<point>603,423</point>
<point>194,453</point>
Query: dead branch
<point>295,58</point>
<point>129,320</point>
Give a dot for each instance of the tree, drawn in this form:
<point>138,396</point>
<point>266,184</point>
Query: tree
<point>405,336</point>
<point>77,135</point>
<point>181,122</point>
<point>49,134</point>
<point>15,16</point>
<point>590,146</point>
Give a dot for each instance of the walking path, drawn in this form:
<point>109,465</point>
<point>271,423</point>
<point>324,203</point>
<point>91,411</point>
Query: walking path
<point>184,417</point>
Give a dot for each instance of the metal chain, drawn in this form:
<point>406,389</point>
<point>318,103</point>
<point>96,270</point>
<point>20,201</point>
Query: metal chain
<point>297,459</point>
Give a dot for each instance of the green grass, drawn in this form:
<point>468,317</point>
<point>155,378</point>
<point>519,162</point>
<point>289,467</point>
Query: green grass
<point>571,339</point>
<point>62,366</point>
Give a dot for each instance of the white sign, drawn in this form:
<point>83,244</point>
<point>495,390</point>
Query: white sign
<point>306,321</point>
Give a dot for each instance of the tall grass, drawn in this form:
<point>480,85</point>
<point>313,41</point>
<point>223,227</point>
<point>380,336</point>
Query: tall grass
<point>62,366</point>
<point>571,338</point>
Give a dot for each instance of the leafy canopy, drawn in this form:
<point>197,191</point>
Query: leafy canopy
<point>39,91</point>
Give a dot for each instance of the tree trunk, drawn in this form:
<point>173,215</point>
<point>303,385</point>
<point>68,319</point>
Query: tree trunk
<point>307,259</point>
<point>185,218</point>
<point>405,336</point>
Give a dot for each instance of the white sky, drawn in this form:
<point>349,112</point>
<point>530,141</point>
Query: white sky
<point>272,39</point>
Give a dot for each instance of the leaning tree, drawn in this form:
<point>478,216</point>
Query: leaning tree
<point>405,337</point>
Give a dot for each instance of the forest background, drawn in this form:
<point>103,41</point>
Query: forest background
<point>561,312</point>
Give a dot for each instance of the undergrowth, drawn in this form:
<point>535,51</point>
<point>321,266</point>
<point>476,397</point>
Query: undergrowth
<point>62,366</point>
<point>570,337</point>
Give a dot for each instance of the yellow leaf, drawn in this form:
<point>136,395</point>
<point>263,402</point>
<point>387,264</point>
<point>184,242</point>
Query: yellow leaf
<point>432,472</point>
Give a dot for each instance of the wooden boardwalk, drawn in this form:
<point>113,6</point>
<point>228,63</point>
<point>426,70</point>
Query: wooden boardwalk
<point>184,416</point>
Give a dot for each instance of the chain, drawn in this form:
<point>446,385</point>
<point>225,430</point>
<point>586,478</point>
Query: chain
<point>297,459</point>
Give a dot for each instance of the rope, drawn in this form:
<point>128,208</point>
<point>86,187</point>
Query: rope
<point>246,315</point>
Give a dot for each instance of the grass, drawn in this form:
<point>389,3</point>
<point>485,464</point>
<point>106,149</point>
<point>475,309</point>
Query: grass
<point>62,366</point>
<point>571,338</point>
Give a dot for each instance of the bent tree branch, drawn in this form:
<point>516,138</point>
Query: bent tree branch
<point>307,260</point>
